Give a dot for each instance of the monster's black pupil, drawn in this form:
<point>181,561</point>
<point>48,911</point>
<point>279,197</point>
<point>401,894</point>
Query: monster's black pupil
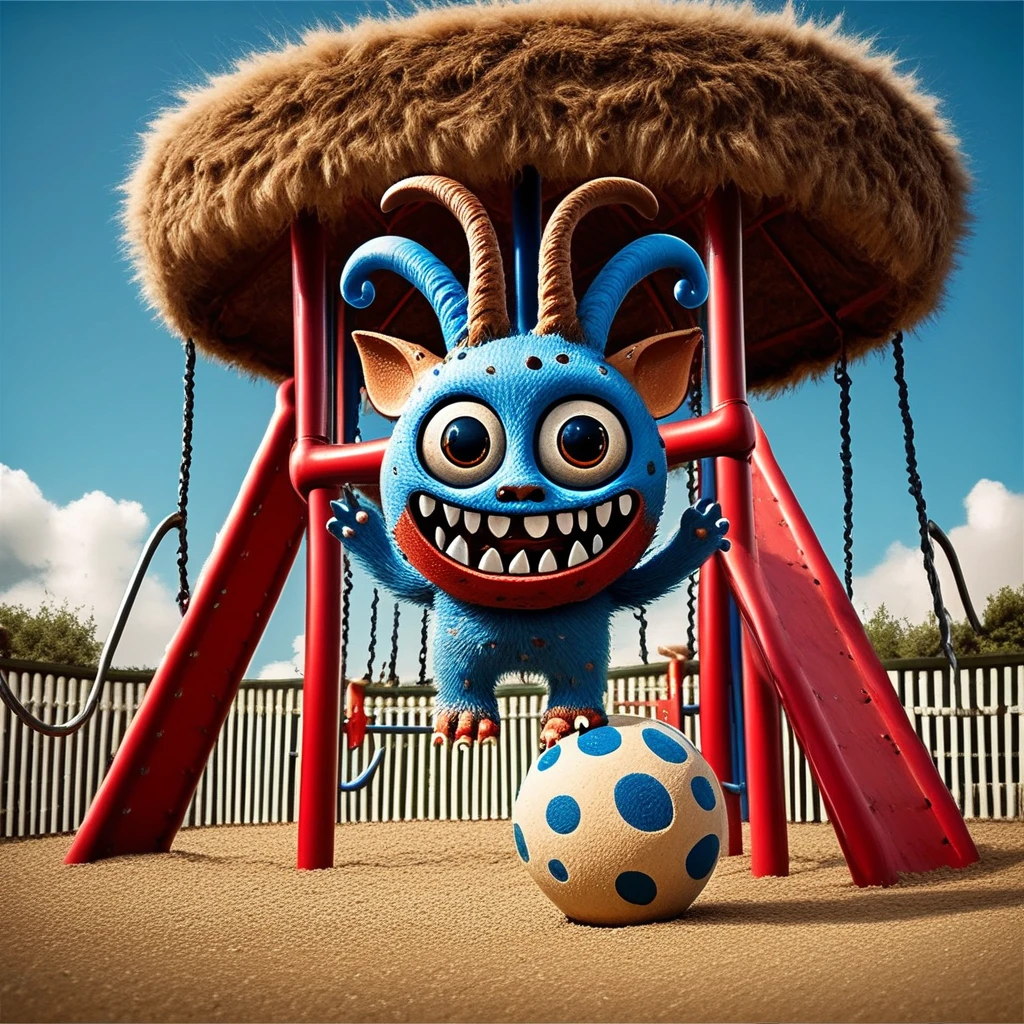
<point>583,441</point>
<point>465,442</point>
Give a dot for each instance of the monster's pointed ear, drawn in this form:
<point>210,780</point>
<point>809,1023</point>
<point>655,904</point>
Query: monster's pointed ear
<point>391,368</point>
<point>659,368</point>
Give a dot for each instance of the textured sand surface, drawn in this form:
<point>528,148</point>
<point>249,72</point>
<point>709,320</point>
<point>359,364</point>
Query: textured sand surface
<point>425,921</point>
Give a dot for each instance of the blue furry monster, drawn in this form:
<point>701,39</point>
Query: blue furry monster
<point>525,476</point>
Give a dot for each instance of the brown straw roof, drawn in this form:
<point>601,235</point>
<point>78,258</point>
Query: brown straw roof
<point>853,188</point>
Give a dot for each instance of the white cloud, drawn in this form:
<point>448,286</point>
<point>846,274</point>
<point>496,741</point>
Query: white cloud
<point>84,553</point>
<point>287,669</point>
<point>990,546</point>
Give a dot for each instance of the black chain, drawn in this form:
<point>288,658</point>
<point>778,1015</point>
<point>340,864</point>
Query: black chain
<point>692,493</point>
<point>917,491</point>
<point>423,648</point>
<point>392,677</point>
<point>346,601</point>
<point>641,616</point>
<point>184,473</point>
<point>841,376</point>
<point>373,634</point>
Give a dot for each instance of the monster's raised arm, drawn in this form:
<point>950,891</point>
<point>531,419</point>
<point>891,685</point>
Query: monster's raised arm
<point>701,533</point>
<point>360,527</point>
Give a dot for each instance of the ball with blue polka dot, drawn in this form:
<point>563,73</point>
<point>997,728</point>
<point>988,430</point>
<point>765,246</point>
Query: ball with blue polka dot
<point>622,824</point>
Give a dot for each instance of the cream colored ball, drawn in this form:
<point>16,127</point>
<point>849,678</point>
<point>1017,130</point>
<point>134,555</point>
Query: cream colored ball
<point>622,824</point>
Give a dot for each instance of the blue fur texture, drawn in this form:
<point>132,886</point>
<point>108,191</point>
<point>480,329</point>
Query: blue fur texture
<point>475,645</point>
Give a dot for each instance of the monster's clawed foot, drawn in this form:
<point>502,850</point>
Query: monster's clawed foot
<point>463,727</point>
<point>560,721</point>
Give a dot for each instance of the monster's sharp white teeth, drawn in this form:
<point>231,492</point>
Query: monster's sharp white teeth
<point>451,514</point>
<point>439,538</point>
<point>625,504</point>
<point>427,505</point>
<point>472,520</point>
<point>598,545</point>
<point>459,550</point>
<point>536,526</point>
<point>491,562</point>
<point>498,525</point>
<point>547,562</point>
<point>604,513</point>
<point>582,517</point>
<point>564,520</point>
<point>520,565</point>
<point>577,555</point>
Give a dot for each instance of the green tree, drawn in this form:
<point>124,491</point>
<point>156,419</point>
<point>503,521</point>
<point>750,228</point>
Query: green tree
<point>1003,621</point>
<point>52,634</point>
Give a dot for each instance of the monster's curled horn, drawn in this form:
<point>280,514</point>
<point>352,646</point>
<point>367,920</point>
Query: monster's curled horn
<point>488,315</point>
<point>419,267</point>
<point>471,319</point>
<point>557,308</point>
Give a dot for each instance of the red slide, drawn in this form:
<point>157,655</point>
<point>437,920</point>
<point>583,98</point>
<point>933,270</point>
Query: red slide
<point>890,808</point>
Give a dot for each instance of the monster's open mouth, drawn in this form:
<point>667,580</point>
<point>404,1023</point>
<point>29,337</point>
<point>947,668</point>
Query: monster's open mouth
<point>523,545</point>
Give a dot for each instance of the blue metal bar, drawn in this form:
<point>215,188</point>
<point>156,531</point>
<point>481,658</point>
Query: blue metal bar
<point>526,215</point>
<point>739,748</point>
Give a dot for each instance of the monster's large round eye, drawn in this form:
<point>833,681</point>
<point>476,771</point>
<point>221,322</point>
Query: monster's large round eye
<point>462,443</point>
<point>582,443</point>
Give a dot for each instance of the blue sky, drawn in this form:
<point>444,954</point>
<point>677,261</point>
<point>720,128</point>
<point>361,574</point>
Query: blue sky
<point>90,393</point>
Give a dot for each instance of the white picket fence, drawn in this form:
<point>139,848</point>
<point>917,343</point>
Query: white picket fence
<point>252,776</point>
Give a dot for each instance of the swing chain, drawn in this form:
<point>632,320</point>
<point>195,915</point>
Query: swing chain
<point>423,648</point>
<point>184,474</point>
<point>392,678</point>
<point>841,375</point>
<point>346,599</point>
<point>693,493</point>
<point>641,616</point>
<point>917,491</point>
<point>373,634</point>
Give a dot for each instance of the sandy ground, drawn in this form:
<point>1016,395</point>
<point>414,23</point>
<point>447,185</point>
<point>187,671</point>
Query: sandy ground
<point>425,921</point>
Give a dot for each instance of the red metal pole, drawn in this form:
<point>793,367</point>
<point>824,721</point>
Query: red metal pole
<point>727,371</point>
<point>318,786</point>
<point>715,683</point>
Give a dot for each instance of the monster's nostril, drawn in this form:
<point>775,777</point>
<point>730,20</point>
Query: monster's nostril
<point>527,493</point>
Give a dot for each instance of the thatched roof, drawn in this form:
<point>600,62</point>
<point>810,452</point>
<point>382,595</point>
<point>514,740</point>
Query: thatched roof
<point>850,179</point>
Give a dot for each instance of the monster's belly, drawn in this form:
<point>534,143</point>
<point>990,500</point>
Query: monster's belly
<point>556,641</point>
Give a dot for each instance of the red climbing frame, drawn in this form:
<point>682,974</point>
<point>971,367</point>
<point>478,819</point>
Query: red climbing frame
<point>296,472</point>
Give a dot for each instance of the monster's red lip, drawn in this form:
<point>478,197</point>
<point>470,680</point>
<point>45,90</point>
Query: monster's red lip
<point>535,560</point>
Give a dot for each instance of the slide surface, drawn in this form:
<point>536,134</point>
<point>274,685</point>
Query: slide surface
<point>889,806</point>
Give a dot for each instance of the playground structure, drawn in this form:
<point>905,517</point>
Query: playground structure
<point>828,200</point>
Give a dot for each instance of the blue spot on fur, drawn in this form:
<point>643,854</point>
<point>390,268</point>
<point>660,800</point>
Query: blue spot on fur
<point>702,792</point>
<point>602,740</point>
<point>701,859</point>
<point>643,802</point>
<point>558,870</point>
<point>663,746</point>
<point>636,887</point>
<point>521,846</point>
<point>548,758</point>
<point>563,815</point>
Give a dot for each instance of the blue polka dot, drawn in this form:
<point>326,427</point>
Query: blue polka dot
<point>549,757</point>
<point>643,802</point>
<point>636,887</point>
<point>558,871</point>
<point>702,792</point>
<point>563,814</point>
<point>662,745</point>
<point>602,740</point>
<point>701,859</point>
<point>521,844</point>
